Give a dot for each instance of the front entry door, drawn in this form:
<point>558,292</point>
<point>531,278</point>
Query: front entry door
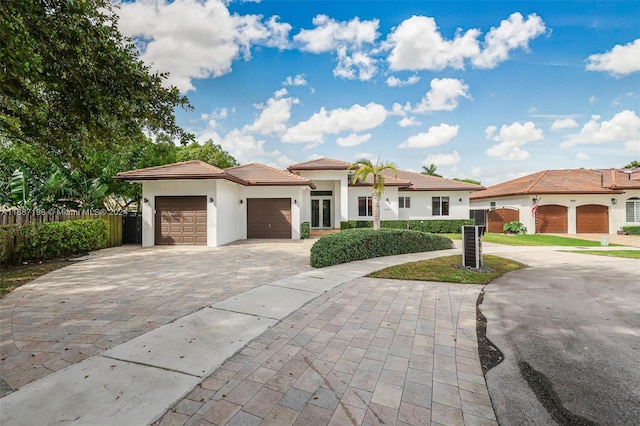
<point>321,213</point>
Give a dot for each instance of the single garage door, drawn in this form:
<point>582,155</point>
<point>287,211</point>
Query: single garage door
<point>498,217</point>
<point>181,220</point>
<point>592,218</point>
<point>269,218</point>
<point>551,219</point>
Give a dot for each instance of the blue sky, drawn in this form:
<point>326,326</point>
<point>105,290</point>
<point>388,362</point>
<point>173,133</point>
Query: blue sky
<point>484,90</point>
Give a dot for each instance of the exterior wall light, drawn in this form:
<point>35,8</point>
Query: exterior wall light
<point>241,201</point>
<point>614,201</point>
<point>145,200</point>
<point>211,200</point>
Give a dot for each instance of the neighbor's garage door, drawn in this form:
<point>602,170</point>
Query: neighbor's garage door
<point>551,219</point>
<point>269,218</point>
<point>498,217</point>
<point>181,220</point>
<point>592,218</point>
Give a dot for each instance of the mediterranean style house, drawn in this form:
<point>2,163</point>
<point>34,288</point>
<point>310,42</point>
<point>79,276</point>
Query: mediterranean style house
<point>564,201</point>
<point>196,203</point>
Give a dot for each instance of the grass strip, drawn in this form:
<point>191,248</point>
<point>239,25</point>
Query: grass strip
<point>625,254</point>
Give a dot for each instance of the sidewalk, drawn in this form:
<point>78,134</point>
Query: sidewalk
<point>348,349</point>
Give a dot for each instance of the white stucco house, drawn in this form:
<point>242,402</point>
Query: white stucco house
<point>196,203</point>
<point>564,201</point>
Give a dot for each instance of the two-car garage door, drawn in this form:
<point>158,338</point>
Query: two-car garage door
<point>590,218</point>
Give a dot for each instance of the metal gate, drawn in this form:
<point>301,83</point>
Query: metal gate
<point>132,228</point>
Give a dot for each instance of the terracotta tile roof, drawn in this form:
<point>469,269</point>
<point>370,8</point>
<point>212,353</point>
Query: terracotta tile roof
<point>582,181</point>
<point>194,169</point>
<point>619,179</point>
<point>420,182</point>
<point>261,175</point>
<point>321,164</point>
<point>389,181</point>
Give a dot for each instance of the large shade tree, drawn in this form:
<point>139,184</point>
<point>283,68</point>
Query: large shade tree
<point>365,168</point>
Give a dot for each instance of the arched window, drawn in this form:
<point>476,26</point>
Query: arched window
<point>633,209</point>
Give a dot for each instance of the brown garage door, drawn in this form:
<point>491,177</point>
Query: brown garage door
<point>592,218</point>
<point>551,219</point>
<point>269,218</point>
<point>181,220</point>
<point>498,217</point>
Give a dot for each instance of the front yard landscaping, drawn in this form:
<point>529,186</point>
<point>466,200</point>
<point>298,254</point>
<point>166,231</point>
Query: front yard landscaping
<point>532,240</point>
<point>626,254</point>
<point>446,269</point>
<point>12,277</point>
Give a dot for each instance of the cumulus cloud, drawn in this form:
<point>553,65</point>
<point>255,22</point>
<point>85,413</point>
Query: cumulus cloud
<point>355,66</point>
<point>355,119</point>
<point>204,48</point>
<point>443,95</point>
<point>409,121</point>
<point>245,148</point>
<point>624,128</point>
<point>330,34</point>
<point>564,123</point>
<point>436,135</point>
<point>442,159</point>
<point>512,138</point>
<point>619,61</point>
<point>417,44</point>
<point>394,81</point>
<point>274,115</point>
<point>297,80</point>
<point>353,139</point>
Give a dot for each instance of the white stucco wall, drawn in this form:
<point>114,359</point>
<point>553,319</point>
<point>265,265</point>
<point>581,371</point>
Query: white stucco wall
<point>330,180</point>
<point>229,209</point>
<point>388,209</point>
<point>421,204</point>
<point>617,212</point>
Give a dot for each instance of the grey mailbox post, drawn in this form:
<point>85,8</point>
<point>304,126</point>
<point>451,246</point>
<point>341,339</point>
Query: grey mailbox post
<point>472,246</point>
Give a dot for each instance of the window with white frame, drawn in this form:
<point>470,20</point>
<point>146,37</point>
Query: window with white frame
<point>633,209</point>
<point>492,205</point>
<point>404,202</point>
<point>440,206</point>
<point>365,206</point>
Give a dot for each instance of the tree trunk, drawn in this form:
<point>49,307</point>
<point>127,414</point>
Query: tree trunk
<point>375,206</point>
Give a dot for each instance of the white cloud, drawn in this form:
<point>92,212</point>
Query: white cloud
<point>436,135</point>
<point>564,123</point>
<point>443,95</point>
<point>624,127</point>
<point>298,80</point>
<point>581,156</point>
<point>356,118</point>
<point>204,48</point>
<point>400,110</point>
<point>619,61</point>
<point>245,148</point>
<point>592,99</point>
<point>353,139</point>
<point>442,159</point>
<point>274,115</point>
<point>357,66</point>
<point>367,155</point>
<point>512,138</point>
<point>330,34</point>
<point>394,81</point>
<point>417,44</point>
<point>409,121</point>
<point>513,33</point>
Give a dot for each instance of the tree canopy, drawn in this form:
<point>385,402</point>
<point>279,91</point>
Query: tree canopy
<point>635,164</point>
<point>431,170</point>
<point>364,168</point>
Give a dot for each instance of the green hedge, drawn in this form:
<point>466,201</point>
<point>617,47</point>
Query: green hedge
<point>50,240</point>
<point>305,230</point>
<point>435,226</point>
<point>631,230</point>
<point>358,244</point>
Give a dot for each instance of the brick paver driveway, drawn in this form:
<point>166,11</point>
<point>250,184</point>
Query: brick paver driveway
<point>73,313</point>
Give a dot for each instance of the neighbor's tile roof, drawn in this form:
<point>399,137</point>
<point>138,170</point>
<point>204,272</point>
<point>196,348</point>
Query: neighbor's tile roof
<point>618,179</point>
<point>321,164</point>
<point>194,169</point>
<point>582,181</point>
<point>421,182</point>
<point>261,175</point>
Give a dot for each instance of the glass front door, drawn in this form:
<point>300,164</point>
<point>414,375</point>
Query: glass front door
<point>321,213</point>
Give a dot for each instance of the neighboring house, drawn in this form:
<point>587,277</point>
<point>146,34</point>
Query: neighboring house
<point>565,201</point>
<point>196,203</point>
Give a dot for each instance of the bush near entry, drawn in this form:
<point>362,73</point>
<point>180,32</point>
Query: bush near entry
<point>514,227</point>
<point>358,244</point>
<point>51,240</point>
<point>631,230</point>
<point>437,226</point>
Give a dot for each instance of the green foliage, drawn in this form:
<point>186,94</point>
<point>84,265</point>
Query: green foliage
<point>431,170</point>
<point>50,240</point>
<point>364,168</point>
<point>631,230</point>
<point>475,182</point>
<point>358,244</point>
<point>514,227</point>
<point>208,152</point>
<point>635,164</point>
<point>305,230</point>
<point>437,226</point>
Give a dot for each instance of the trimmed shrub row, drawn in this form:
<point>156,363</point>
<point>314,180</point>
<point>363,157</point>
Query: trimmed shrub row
<point>51,240</point>
<point>631,230</point>
<point>305,230</point>
<point>435,226</point>
<point>358,244</point>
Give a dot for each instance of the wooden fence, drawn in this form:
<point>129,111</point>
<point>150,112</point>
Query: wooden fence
<point>8,217</point>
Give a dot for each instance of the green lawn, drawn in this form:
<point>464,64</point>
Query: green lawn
<point>444,269</point>
<point>537,240</point>
<point>12,277</point>
<point>627,254</point>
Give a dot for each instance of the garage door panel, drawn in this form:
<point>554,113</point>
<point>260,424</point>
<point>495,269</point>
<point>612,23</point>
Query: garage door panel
<point>552,219</point>
<point>269,218</point>
<point>498,217</point>
<point>181,220</point>
<point>592,218</point>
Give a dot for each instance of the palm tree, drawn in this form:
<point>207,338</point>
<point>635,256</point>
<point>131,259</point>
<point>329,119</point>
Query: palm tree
<point>431,170</point>
<point>364,168</point>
